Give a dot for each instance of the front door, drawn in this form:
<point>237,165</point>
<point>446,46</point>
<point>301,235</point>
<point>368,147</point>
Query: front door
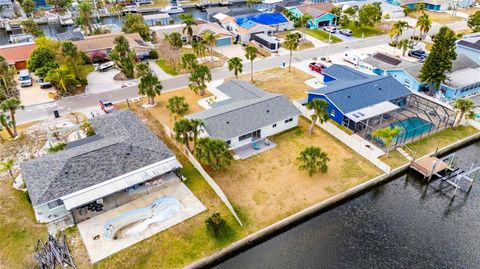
<point>256,135</point>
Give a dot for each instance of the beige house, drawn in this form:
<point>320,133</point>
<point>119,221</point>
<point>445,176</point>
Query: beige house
<point>105,43</point>
<point>223,36</point>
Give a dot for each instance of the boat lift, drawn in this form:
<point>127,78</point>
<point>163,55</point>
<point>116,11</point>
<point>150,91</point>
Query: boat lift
<point>459,179</point>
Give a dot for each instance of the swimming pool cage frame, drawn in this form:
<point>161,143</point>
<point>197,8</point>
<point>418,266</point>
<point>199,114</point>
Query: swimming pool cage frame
<point>436,116</point>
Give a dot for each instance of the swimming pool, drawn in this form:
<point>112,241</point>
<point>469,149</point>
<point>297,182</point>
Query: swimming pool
<point>412,127</point>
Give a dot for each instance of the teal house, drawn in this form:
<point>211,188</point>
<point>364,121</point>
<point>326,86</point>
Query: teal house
<point>320,14</point>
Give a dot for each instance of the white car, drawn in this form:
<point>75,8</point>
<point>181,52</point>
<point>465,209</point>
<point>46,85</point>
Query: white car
<point>25,78</point>
<point>330,29</point>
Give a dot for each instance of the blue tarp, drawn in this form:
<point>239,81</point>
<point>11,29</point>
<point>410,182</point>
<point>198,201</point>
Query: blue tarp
<point>263,18</point>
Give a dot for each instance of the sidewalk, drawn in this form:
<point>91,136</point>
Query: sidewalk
<point>159,71</point>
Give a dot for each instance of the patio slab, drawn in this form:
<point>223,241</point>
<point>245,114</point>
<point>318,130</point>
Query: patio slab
<point>100,248</point>
<point>248,151</point>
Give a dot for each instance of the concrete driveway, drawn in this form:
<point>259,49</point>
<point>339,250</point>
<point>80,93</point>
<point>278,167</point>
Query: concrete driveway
<point>34,95</point>
<point>231,51</point>
<point>99,82</point>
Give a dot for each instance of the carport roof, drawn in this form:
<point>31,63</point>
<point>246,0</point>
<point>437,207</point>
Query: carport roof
<point>126,145</point>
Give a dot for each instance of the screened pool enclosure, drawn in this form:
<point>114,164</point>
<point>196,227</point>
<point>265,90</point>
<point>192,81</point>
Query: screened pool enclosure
<point>416,116</point>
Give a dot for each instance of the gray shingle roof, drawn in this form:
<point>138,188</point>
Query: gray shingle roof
<point>377,62</point>
<point>460,63</point>
<point>352,95</point>
<point>344,72</point>
<point>249,109</point>
<point>126,145</point>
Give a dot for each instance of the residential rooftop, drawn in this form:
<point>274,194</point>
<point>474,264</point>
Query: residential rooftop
<point>248,109</point>
<point>386,61</point>
<point>122,144</point>
<point>352,95</point>
<point>343,72</point>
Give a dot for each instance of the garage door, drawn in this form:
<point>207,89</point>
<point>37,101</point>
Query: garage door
<point>224,41</point>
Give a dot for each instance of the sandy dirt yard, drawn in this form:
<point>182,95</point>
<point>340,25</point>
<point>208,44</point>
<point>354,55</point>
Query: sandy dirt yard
<point>269,186</point>
<point>164,116</point>
<point>279,80</point>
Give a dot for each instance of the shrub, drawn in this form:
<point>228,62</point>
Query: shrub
<point>386,16</point>
<point>98,56</point>
<point>57,147</point>
<point>153,54</point>
<point>87,128</point>
<point>215,223</point>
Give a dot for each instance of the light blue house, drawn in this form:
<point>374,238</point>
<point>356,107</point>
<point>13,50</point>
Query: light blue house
<point>469,45</point>
<point>320,14</point>
<point>464,80</point>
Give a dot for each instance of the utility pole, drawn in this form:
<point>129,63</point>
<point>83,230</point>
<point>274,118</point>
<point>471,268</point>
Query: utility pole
<point>328,46</point>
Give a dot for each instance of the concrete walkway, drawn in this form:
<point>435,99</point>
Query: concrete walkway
<point>158,71</point>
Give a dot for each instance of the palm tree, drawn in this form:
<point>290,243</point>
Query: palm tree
<point>182,128</point>
<point>215,223</point>
<point>7,166</point>
<point>397,30</point>
<point>198,79</point>
<point>464,107</point>
<point>85,16</point>
<point>320,113</point>
<point>213,152</point>
<point>404,44</point>
<point>117,10</point>
<point>70,51</point>
<point>189,61</point>
<point>142,69</point>
<point>236,65</point>
<point>251,54</point>
<point>195,129</point>
<point>150,86</point>
<point>387,134</point>
<point>8,86</point>
<point>63,79</point>
<point>210,40</point>
<point>123,57</point>
<point>314,160</point>
<point>424,23</point>
<point>304,22</point>
<point>199,48</point>
<point>11,105</point>
<point>291,43</point>
<point>189,21</point>
<point>177,105</point>
<point>6,123</point>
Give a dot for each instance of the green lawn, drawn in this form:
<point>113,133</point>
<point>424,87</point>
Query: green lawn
<point>365,31</point>
<point>394,159</point>
<point>321,35</point>
<point>165,65</point>
<point>441,139</point>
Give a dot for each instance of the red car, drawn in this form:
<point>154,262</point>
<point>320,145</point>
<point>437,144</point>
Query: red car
<point>107,106</point>
<point>317,67</point>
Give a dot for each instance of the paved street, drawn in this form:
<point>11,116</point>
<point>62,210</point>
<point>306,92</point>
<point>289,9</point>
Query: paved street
<point>79,103</point>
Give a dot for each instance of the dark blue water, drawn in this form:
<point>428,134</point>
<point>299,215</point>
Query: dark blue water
<point>402,224</point>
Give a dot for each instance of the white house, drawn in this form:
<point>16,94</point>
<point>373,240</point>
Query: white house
<point>243,32</point>
<point>248,115</point>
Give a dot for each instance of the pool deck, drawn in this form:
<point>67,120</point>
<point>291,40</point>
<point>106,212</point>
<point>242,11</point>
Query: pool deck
<point>100,248</point>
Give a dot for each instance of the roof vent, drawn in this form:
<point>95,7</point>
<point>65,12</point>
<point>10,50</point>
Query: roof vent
<point>379,88</point>
<point>268,111</point>
<point>348,96</point>
<point>228,122</point>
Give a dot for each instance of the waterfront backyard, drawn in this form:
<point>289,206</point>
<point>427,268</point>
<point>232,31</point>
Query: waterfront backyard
<point>269,186</point>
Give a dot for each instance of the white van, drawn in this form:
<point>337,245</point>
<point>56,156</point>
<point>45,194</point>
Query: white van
<point>353,58</point>
<point>25,78</point>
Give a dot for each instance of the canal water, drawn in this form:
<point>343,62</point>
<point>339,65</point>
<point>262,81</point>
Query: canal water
<point>401,224</point>
<point>53,30</point>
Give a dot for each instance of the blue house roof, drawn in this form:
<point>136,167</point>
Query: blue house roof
<point>343,72</point>
<point>262,18</point>
<point>351,95</point>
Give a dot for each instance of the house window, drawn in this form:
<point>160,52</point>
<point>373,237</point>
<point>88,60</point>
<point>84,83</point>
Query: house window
<point>55,204</point>
<point>245,136</point>
<point>274,125</point>
<point>406,82</point>
<point>332,113</point>
<point>289,120</point>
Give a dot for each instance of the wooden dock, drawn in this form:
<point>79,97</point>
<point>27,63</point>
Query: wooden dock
<point>429,166</point>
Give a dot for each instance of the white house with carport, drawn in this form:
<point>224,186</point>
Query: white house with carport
<point>223,37</point>
<point>249,114</point>
<point>122,157</point>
